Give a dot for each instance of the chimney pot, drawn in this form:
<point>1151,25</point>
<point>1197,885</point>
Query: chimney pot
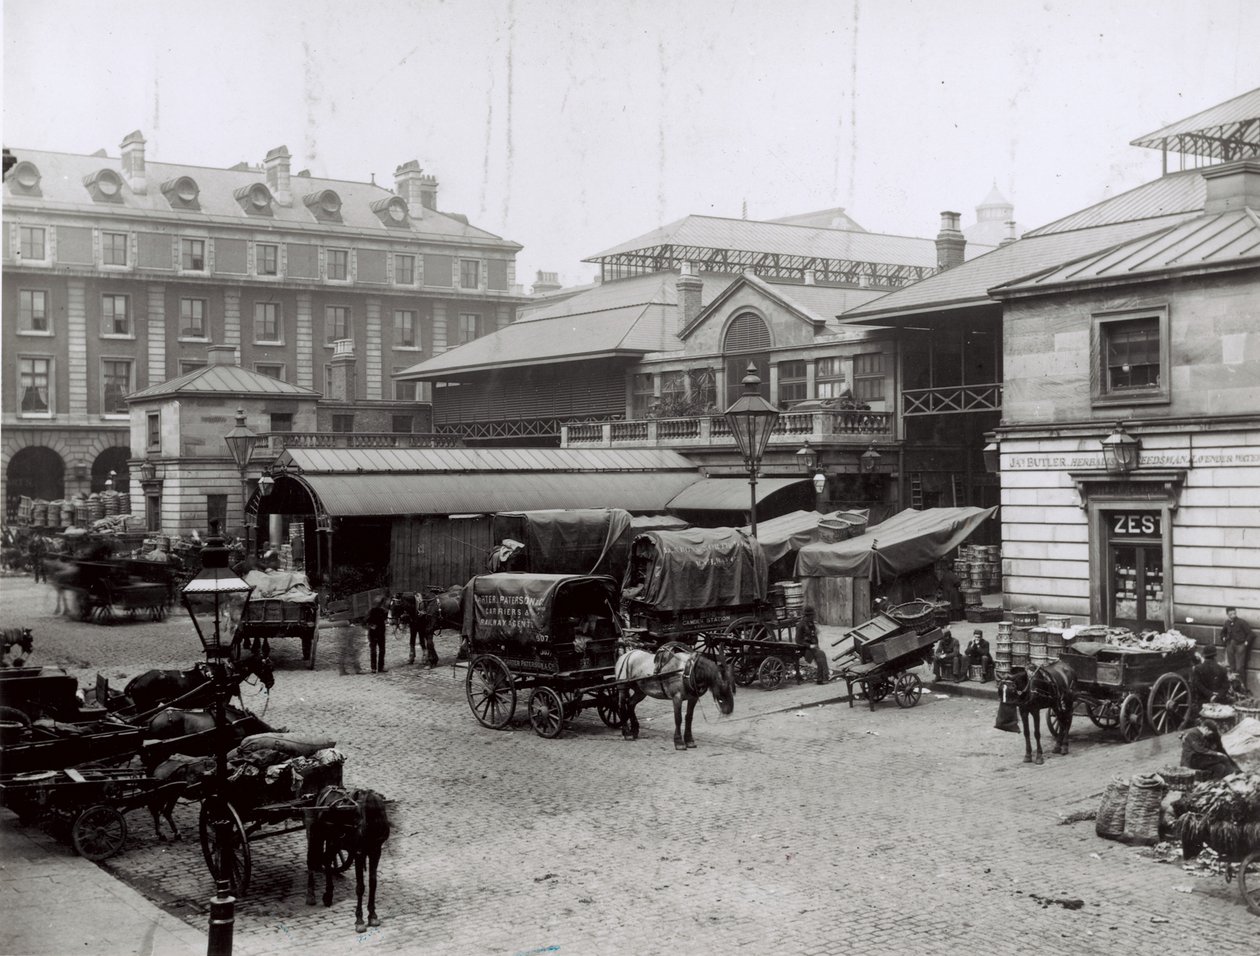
<point>950,242</point>
<point>276,166</point>
<point>1233,185</point>
<point>1010,233</point>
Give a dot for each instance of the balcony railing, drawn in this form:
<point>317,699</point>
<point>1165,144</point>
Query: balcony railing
<point>856,427</point>
<point>276,442</point>
<point>958,398</point>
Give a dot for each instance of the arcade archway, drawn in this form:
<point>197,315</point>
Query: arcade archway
<point>36,472</point>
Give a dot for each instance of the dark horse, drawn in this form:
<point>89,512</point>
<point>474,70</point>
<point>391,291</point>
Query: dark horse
<point>353,821</point>
<point>676,673</point>
<point>154,688</point>
<point>1050,687</point>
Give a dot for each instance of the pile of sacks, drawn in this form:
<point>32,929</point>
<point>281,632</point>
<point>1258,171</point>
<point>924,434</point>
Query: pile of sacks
<point>273,767</point>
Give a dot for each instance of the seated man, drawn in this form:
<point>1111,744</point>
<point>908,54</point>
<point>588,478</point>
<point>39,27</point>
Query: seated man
<point>1209,681</point>
<point>807,638</point>
<point>1201,749</point>
<point>947,659</point>
<point>978,655</point>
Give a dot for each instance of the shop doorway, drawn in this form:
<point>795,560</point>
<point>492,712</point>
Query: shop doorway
<point>1136,595</point>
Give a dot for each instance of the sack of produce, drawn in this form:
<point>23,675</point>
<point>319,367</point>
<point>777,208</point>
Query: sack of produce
<point>299,745</point>
<point>1110,820</point>
<point>1141,809</point>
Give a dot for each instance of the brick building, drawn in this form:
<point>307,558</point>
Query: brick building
<point>120,271</point>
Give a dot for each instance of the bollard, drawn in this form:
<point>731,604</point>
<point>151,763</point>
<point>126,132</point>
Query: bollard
<point>222,918</point>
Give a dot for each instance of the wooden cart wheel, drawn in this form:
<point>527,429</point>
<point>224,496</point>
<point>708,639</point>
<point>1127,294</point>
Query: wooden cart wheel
<point>1168,703</point>
<point>215,810</point>
<point>342,860</point>
<point>99,832</point>
<point>1249,881</point>
<point>608,709</point>
<point>770,673</point>
<point>491,692</point>
<point>878,689</point>
<point>907,690</point>
<point>1132,717</point>
<point>546,712</point>
<point>1104,713</point>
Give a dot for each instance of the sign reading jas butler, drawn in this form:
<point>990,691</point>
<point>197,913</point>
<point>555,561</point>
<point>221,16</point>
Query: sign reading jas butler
<point>1174,458</point>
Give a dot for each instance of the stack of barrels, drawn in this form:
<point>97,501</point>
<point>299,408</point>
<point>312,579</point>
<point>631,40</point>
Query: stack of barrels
<point>1037,653</point>
<point>1002,650</point>
<point>1023,620</point>
<point>793,599</point>
<point>979,567</point>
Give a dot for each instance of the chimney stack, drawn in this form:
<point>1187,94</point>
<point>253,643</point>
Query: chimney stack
<point>1233,185</point>
<point>950,242</point>
<point>1010,233</point>
<point>343,385</point>
<point>133,162</point>
<point>221,355</point>
<point>419,190</point>
<point>689,286</point>
<point>277,166</point>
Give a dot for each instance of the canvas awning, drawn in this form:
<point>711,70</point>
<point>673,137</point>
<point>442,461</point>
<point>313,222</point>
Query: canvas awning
<point>791,531</point>
<point>728,494</point>
<point>454,493</point>
<point>905,542</point>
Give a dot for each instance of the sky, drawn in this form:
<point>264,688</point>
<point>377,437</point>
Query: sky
<point>570,126</point>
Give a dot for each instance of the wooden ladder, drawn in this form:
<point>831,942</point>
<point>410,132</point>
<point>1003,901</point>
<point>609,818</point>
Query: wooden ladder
<point>916,491</point>
<point>960,492</point>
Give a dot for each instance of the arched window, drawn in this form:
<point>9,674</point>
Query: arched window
<point>747,340</point>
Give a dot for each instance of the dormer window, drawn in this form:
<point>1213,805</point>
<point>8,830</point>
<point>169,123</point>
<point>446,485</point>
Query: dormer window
<point>392,211</point>
<point>182,193</point>
<point>255,199</point>
<point>324,205</point>
<point>105,185</point>
<point>24,178</point>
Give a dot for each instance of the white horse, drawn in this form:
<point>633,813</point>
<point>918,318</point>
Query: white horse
<point>676,673</point>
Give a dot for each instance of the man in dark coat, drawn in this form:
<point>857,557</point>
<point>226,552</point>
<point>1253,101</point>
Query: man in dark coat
<point>377,618</point>
<point>978,655</point>
<point>807,637</point>
<point>949,590</point>
<point>947,659</point>
<point>1209,681</point>
<point>1238,638</point>
<point>1201,749</point>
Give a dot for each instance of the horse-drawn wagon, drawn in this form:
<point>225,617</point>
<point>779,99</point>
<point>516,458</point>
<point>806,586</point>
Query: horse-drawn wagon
<point>553,635</point>
<point>707,588</point>
<point>110,590</point>
<point>885,650</point>
<point>1132,686</point>
<point>281,606</point>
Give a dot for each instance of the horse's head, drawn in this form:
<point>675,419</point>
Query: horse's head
<point>722,683</point>
<point>1014,688</point>
<point>258,664</point>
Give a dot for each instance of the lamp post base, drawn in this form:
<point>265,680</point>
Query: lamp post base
<point>222,920</point>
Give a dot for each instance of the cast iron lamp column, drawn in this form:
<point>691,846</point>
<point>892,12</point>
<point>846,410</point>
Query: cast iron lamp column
<point>752,419</point>
<point>214,590</point>
<point>240,442</point>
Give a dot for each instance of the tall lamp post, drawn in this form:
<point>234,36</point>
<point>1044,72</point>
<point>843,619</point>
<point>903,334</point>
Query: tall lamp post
<point>217,590</point>
<point>751,419</point>
<point>240,442</point>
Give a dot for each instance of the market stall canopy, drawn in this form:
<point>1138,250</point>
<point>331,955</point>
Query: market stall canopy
<point>695,568</point>
<point>905,542</point>
<point>794,530</point>
<point>524,609</point>
<point>728,494</point>
<point>568,541</point>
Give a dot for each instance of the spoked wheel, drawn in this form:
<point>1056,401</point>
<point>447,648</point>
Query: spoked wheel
<point>878,689</point>
<point>907,690</point>
<point>490,691</point>
<point>546,712</point>
<point>342,860</point>
<point>607,708</point>
<point>99,832</point>
<point>1132,717</point>
<point>1249,881</point>
<point>1104,714</point>
<point>770,673</point>
<point>1168,704</point>
<point>217,814</point>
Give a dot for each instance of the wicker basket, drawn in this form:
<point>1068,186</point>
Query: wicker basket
<point>918,615</point>
<point>1179,778</point>
<point>1110,820</point>
<point>1247,707</point>
<point>1025,617</point>
<point>1141,810</point>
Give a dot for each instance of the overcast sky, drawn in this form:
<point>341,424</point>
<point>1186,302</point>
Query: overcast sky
<point>571,125</point>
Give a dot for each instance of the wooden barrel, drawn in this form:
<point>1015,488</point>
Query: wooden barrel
<point>1025,617</point>
<point>1054,641</point>
<point>793,597</point>
<point>970,596</point>
<point>1004,631</point>
<point>1058,620</point>
<point>1019,652</point>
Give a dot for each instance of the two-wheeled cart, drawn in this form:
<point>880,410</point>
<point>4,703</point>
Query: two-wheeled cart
<point>555,636</point>
<point>884,652</point>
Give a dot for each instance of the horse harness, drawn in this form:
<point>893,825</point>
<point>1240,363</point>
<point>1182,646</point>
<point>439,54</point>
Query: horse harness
<point>1009,689</point>
<point>665,653</point>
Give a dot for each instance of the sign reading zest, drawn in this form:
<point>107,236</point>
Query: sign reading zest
<point>1143,524</point>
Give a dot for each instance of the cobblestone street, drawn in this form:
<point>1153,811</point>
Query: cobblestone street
<point>790,829</point>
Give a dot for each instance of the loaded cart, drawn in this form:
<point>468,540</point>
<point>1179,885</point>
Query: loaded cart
<point>553,635</point>
<point>283,605</point>
<point>706,587</point>
<point>884,651</point>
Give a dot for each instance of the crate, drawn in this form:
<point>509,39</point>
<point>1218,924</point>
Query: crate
<point>983,615</point>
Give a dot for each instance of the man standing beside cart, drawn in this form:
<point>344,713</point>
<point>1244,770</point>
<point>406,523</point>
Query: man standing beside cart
<point>1237,637</point>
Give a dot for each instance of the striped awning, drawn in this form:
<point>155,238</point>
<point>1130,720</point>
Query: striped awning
<point>728,494</point>
<point>485,493</point>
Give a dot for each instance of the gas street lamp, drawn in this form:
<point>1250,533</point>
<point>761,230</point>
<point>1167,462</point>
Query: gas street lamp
<point>216,592</point>
<point>752,419</point>
<point>240,443</point>
<point>1120,451</point>
<point>807,457</point>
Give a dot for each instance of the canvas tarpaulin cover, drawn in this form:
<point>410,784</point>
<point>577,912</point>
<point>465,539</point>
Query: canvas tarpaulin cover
<point>695,568</point>
<point>574,541</point>
<point>519,608</point>
<point>905,542</point>
<point>793,531</point>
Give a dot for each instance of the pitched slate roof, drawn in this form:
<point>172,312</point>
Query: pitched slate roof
<point>353,461</point>
<point>817,304</point>
<point>61,186</point>
<point>1227,130</point>
<point>1223,240</point>
<point>968,284</point>
<point>1174,194</point>
<point>223,380</point>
